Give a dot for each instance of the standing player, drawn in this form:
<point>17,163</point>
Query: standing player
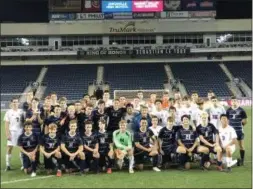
<point>238,119</point>
<point>50,148</point>
<point>228,137</point>
<point>196,115</point>
<point>166,102</point>
<point>105,147</point>
<point>143,147</point>
<point>27,105</point>
<point>140,95</point>
<point>123,145</point>
<point>98,114</point>
<point>106,99</point>
<point>161,114</point>
<point>13,127</point>
<point>129,117</point>
<point>28,143</point>
<point>143,114</point>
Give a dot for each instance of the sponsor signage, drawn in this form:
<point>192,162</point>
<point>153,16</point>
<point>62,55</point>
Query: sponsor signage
<point>65,6</point>
<point>242,102</point>
<point>122,15</point>
<point>207,5</point>
<point>178,14</point>
<point>147,6</point>
<point>172,5</point>
<point>90,16</point>
<point>90,6</point>
<point>116,6</point>
<point>131,27</point>
<point>202,14</point>
<point>62,16</point>
<point>141,15</point>
<point>106,52</point>
<point>188,5</point>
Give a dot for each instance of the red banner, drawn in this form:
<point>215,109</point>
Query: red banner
<point>147,6</point>
<point>90,6</point>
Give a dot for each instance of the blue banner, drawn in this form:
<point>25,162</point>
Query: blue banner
<point>116,6</point>
<point>62,16</point>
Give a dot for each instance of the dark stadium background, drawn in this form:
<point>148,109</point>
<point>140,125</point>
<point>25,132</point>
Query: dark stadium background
<point>37,10</point>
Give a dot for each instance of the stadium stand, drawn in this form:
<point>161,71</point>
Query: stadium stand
<point>201,77</point>
<point>135,76</point>
<point>241,70</point>
<point>70,81</point>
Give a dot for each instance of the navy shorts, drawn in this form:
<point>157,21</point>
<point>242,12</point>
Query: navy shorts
<point>169,149</point>
<point>49,162</point>
<point>26,161</point>
<point>240,135</point>
<point>139,157</point>
<point>68,163</point>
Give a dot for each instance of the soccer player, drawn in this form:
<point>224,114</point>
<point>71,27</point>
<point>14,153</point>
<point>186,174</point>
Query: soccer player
<point>70,116</point>
<point>28,143</point>
<point>90,144</point>
<point>151,102</point>
<point>98,114</point>
<point>167,141</point>
<point>93,101</point>
<point>143,147</point>
<point>80,116</point>
<point>196,115</point>
<point>13,119</point>
<point>72,148</point>
<point>165,101</point>
<point>174,115</point>
<point>105,147</point>
<point>63,105</point>
<point>50,148</point>
<point>194,99</point>
<point>122,140</point>
<point>140,96</point>
<point>136,104</point>
<point>27,105</point>
<point>56,119</point>
<point>88,116</point>
<point>54,98</point>
<point>143,114</point>
<point>161,114</point>
<point>129,117</point>
<point>208,104</point>
<point>122,102</point>
<point>238,119</point>
<point>228,137</point>
<point>86,98</point>
<point>187,139</point>
<point>209,142</point>
<point>106,99</point>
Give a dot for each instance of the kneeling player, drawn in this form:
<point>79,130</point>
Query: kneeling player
<point>167,141</point>
<point>123,145</point>
<point>105,147</point>
<point>142,141</point>
<point>28,143</point>
<point>187,140</point>
<point>72,147</point>
<point>90,144</point>
<point>50,147</point>
<point>207,132</point>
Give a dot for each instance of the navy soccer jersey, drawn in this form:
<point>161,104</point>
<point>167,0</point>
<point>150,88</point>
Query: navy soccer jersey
<point>103,142</point>
<point>96,116</point>
<point>72,143</point>
<point>235,118</point>
<point>114,118</point>
<point>56,120</point>
<point>35,122</point>
<point>187,136</point>
<point>29,143</point>
<point>168,137</point>
<point>50,144</point>
<point>207,132</point>
<point>90,141</point>
<point>143,138</point>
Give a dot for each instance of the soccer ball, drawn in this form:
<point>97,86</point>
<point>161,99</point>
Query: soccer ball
<point>207,164</point>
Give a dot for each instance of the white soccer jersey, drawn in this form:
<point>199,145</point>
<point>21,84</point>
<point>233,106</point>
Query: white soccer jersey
<point>108,103</point>
<point>156,130</point>
<point>227,135</point>
<point>214,113</point>
<point>197,116</point>
<point>162,117</point>
<point>15,119</point>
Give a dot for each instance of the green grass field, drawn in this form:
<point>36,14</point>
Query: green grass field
<point>172,178</point>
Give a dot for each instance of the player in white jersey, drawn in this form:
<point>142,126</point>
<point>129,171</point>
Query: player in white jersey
<point>13,119</point>
<point>106,98</point>
<point>194,99</point>
<point>215,111</point>
<point>161,114</point>
<point>187,108</point>
<point>228,139</point>
<point>140,95</point>
<point>196,115</point>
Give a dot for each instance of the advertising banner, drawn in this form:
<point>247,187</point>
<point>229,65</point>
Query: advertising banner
<point>141,15</point>
<point>172,5</point>
<point>89,16</point>
<point>64,5</point>
<point>147,6</point>
<point>131,27</point>
<point>207,5</point>
<point>91,6</point>
<point>116,6</point>
<point>122,15</point>
<point>178,14</point>
<point>189,5</point>
<point>242,102</point>
<point>62,16</point>
<point>202,14</point>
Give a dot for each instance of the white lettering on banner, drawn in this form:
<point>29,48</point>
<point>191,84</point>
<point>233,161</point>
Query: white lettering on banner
<point>123,15</point>
<point>178,14</point>
<point>245,102</point>
<point>201,14</point>
<point>117,5</point>
<point>206,4</point>
<point>146,4</point>
<point>89,16</point>
<point>144,15</point>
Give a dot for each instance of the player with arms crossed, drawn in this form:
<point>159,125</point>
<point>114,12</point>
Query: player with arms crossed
<point>238,119</point>
<point>13,127</point>
<point>28,143</point>
<point>144,148</point>
<point>122,140</point>
<point>228,138</point>
<point>50,148</point>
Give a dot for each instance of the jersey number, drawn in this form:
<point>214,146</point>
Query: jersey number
<point>17,118</point>
<point>188,137</point>
<point>223,137</point>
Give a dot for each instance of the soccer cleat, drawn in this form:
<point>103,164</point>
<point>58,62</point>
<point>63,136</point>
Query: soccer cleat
<point>33,174</point>
<point>228,170</point>
<point>219,168</point>
<point>22,168</point>
<point>59,174</point>
<point>120,163</point>
<point>131,171</point>
<point>109,171</point>
<point>156,169</point>
<point>232,163</point>
<point>8,168</point>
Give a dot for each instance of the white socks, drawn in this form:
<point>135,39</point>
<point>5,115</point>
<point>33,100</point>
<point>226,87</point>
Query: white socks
<point>21,159</point>
<point>229,161</point>
<point>131,162</point>
<point>8,159</point>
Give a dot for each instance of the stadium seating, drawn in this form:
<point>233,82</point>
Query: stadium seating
<point>14,79</point>
<point>242,70</point>
<point>201,77</point>
<point>71,81</point>
<point>135,76</point>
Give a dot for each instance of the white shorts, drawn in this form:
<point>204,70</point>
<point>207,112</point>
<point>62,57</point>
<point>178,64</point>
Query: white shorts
<point>14,138</point>
<point>232,150</point>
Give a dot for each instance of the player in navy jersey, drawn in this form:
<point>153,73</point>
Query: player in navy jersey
<point>90,143</point>
<point>28,143</point>
<point>238,119</point>
<point>80,117</point>
<point>63,105</point>
<point>50,148</point>
<point>72,148</point>
<point>105,147</point>
<point>88,116</point>
<point>209,142</point>
<point>98,114</point>
<point>167,141</point>
<point>70,116</point>
<point>142,140</point>
<point>187,140</point>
